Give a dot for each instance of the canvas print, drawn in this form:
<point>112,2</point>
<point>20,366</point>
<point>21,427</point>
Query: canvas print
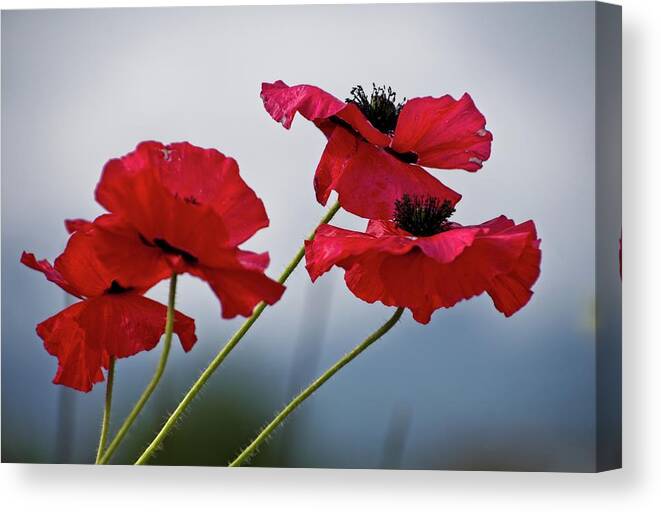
<point>340,236</point>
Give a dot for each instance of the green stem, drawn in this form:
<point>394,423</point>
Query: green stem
<point>106,410</point>
<point>233,341</point>
<point>330,213</point>
<point>167,343</point>
<point>266,432</point>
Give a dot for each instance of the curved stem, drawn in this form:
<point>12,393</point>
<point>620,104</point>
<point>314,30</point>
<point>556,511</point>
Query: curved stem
<point>330,213</point>
<point>167,343</point>
<point>266,432</point>
<point>233,341</point>
<point>106,410</point>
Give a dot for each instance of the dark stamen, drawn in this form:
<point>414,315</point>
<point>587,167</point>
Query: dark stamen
<point>145,241</point>
<point>169,249</point>
<point>422,216</point>
<point>408,158</point>
<point>164,246</point>
<point>116,288</point>
<point>380,108</point>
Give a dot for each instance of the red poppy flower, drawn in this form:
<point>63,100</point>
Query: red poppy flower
<point>423,262</point>
<point>112,319</point>
<point>375,138</point>
<point>180,208</point>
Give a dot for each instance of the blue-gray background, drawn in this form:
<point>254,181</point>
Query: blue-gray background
<point>471,390</point>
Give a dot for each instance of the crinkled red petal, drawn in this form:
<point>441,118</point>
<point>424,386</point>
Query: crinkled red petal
<point>425,274</point>
<point>85,335</point>
<point>512,290</point>
<point>368,180</point>
<point>207,177</point>
<point>191,197</point>
<point>122,254</point>
<point>79,359</point>
<point>73,225</point>
<point>282,102</point>
<point>241,287</point>
<point>332,245</point>
<point>99,254</point>
<point>443,132</point>
<point>53,275</point>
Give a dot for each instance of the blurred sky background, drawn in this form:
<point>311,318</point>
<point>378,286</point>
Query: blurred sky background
<point>471,390</point>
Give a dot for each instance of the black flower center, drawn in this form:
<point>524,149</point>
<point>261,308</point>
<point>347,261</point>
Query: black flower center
<point>422,216</point>
<point>380,108</point>
<point>164,246</point>
<point>116,288</point>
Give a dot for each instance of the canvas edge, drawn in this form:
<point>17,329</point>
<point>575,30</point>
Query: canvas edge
<point>608,220</point>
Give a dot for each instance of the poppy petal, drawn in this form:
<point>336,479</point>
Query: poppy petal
<point>355,118</point>
<point>79,359</point>
<point>240,289</point>
<point>184,328</point>
<point>164,192</point>
<point>369,180</point>
<point>395,280</point>
<point>282,102</point>
<point>73,225</point>
<point>85,335</point>
<point>332,246</point>
<point>512,290</point>
<point>447,246</point>
<point>127,323</point>
<point>28,259</point>
<point>425,274</point>
<point>381,228</point>
<point>130,187</point>
<point>207,177</point>
<point>108,252</point>
<point>121,253</point>
<point>445,133</point>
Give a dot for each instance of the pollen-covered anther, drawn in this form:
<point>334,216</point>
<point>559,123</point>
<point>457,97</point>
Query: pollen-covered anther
<point>422,216</point>
<point>380,108</point>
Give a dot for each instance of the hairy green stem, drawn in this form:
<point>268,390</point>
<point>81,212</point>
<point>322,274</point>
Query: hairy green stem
<point>167,343</point>
<point>291,406</point>
<point>105,423</point>
<point>233,341</point>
